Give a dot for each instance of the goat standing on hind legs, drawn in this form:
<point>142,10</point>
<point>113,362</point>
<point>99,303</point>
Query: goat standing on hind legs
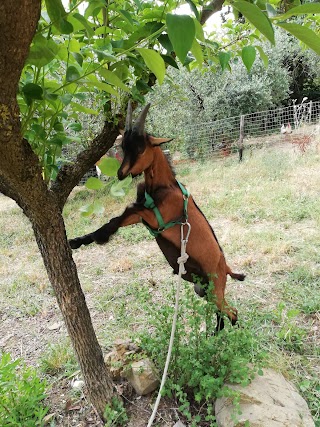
<point>163,204</point>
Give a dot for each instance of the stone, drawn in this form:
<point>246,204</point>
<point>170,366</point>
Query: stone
<point>77,384</point>
<point>268,401</point>
<point>118,359</point>
<point>142,376</point>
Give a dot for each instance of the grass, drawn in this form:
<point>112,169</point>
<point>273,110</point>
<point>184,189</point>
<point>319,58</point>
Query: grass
<point>266,214</point>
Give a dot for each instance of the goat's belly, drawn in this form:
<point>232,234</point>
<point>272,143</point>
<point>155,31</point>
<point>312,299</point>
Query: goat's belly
<point>194,272</point>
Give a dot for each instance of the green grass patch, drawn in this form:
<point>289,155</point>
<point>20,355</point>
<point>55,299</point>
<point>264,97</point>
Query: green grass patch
<point>21,394</point>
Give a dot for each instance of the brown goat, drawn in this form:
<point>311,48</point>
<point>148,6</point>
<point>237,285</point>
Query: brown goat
<point>206,263</point>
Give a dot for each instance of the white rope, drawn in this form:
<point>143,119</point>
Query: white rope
<point>181,261</point>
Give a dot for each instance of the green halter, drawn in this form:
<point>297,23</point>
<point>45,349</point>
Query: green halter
<point>149,204</point>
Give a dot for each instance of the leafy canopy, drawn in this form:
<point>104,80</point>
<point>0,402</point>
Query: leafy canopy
<point>89,59</point>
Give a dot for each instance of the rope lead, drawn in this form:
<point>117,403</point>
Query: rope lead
<point>181,261</point>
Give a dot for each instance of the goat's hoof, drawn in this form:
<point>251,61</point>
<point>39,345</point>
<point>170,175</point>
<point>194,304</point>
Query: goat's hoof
<point>75,243</point>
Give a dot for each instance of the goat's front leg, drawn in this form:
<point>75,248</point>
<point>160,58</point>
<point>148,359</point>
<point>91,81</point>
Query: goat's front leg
<point>131,215</point>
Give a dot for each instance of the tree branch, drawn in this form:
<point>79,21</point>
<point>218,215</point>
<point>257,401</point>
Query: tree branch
<point>70,174</point>
<point>210,9</point>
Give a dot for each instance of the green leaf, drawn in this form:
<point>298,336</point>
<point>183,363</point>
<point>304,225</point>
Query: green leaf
<point>55,11</point>
<point>94,7</point>
<point>104,55</point>
<point>224,58</point>
<point>78,57</point>
<point>58,126</point>
<point>87,210</point>
<point>109,166</point>
<point>127,17</point>
<point>248,55</point>
<point>32,91</point>
<point>199,30</point>
<point>257,18</point>
<point>154,62</point>
<point>118,189</point>
<point>194,9</point>
<point>197,52</point>
<point>263,56</point>
<point>40,55</point>
<point>170,61</point>
<point>64,26</point>
<point>305,34</point>
<point>113,79</point>
<point>102,30</point>
<point>102,86</point>
<point>57,16</point>
<point>165,42</point>
<point>98,209</point>
<point>72,74</point>
<point>271,10</point>
<point>301,10</point>
<point>86,24</point>
<point>181,32</point>
<point>66,98</point>
<point>74,45</point>
<point>94,183</point>
<point>82,109</point>
<point>76,126</point>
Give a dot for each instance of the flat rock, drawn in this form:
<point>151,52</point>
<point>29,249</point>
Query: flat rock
<point>269,401</point>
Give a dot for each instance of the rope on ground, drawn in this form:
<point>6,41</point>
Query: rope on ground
<point>181,261</point>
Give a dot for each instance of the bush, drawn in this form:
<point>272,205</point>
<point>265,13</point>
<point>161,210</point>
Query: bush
<point>21,394</point>
<point>201,362</point>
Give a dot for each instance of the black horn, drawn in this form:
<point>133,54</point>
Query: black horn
<point>129,117</point>
<point>139,123</point>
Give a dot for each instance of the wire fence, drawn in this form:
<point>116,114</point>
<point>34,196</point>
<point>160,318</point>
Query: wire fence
<point>297,124</point>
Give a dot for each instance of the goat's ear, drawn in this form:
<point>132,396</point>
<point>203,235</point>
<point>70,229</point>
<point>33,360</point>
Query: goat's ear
<point>158,141</point>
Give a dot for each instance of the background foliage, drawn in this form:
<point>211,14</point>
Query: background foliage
<point>88,60</point>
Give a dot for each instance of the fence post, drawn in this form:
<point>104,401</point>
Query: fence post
<point>241,137</point>
<point>310,112</point>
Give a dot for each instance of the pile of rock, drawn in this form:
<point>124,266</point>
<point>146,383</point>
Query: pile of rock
<point>126,361</point>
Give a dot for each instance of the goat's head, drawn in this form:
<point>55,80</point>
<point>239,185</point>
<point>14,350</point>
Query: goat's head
<point>137,145</point>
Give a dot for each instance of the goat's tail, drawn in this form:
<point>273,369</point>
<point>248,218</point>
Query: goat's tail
<point>236,276</point>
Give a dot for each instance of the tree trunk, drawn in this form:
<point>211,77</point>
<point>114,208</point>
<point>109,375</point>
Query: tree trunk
<point>21,179</point>
<point>62,272</point>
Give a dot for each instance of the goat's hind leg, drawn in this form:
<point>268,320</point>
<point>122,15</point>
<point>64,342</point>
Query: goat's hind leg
<point>222,305</point>
<point>220,323</point>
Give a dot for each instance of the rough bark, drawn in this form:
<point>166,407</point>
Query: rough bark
<point>62,272</point>
<point>21,179</point>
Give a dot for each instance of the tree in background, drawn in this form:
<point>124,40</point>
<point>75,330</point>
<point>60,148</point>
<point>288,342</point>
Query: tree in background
<point>286,74</point>
<point>57,65</point>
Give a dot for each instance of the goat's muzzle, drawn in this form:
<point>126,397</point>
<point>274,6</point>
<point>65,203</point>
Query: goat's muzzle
<point>121,175</point>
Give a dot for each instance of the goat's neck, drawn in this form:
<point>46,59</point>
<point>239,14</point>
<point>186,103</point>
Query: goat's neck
<point>159,173</point>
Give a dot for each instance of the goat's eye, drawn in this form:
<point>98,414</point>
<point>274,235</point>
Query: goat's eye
<point>140,148</point>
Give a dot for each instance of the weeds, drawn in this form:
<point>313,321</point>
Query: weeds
<point>21,394</point>
<point>202,363</point>
<point>115,414</point>
<point>58,358</point>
